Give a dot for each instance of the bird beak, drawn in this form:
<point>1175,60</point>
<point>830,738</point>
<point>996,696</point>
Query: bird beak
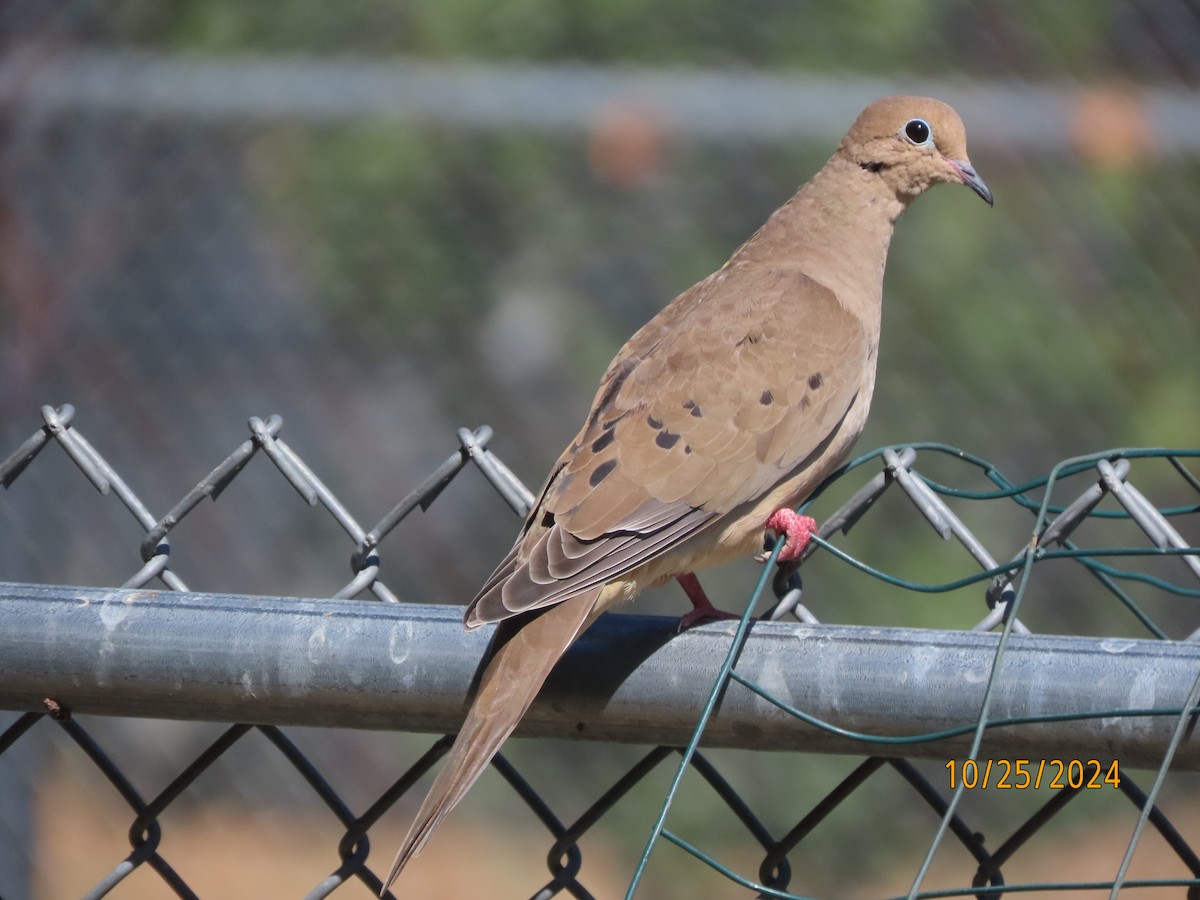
<point>971,178</point>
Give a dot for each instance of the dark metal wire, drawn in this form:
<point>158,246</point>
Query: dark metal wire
<point>1055,520</point>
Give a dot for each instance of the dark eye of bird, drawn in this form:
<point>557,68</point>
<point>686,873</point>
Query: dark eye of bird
<point>918,131</point>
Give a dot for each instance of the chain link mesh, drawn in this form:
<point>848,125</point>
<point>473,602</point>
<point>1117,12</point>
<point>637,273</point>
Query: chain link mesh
<point>1066,505</point>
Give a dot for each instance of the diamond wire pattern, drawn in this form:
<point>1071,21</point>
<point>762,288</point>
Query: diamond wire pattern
<point>1102,475</point>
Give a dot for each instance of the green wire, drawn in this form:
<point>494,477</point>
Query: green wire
<point>719,684</point>
<point>1089,558</point>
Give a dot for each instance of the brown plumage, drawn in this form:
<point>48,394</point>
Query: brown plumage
<point>737,399</point>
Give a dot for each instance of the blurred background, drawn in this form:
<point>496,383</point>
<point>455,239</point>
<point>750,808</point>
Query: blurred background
<point>384,220</point>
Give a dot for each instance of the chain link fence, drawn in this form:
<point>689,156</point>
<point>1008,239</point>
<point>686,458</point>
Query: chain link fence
<point>1062,720</point>
<point>383,220</point>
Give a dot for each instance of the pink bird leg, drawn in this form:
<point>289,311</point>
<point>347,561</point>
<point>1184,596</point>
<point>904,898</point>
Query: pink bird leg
<point>702,608</point>
<point>796,529</point>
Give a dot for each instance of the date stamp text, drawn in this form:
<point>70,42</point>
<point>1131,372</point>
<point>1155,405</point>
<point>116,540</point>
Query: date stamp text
<point>1027,774</point>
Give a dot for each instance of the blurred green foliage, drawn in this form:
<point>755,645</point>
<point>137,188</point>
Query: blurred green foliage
<point>859,35</point>
<point>1077,280</point>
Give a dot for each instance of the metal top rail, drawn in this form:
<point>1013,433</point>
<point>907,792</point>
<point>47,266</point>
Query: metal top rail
<point>272,660</point>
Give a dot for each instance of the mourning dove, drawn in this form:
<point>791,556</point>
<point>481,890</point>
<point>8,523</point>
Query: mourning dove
<point>715,419</point>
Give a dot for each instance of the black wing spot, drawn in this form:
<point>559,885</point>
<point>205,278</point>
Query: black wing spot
<point>694,407</point>
<point>767,398</point>
<point>666,439</point>
<point>601,472</point>
<point>603,441</point>
<point>815,381</point>
<point>687,448</point>
<point>548,520</point>
<point>654,423</point>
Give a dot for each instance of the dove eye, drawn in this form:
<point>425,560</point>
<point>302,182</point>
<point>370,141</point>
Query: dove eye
<point>918,132</point>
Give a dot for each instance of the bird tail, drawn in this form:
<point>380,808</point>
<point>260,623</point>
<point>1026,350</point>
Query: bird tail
<point>513,676</point>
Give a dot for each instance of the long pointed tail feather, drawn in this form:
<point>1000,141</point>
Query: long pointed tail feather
<point>512,678</point>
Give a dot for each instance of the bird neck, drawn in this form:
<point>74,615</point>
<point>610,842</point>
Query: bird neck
<point>838,227</point>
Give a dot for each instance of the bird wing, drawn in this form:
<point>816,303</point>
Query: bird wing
<point>728,391</point>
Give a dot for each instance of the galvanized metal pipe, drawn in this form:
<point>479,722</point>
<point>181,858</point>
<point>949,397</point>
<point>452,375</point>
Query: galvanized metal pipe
<point>713,104</point>
<point>630,678</point>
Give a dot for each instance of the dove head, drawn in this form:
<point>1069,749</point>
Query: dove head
<point>913,143</point>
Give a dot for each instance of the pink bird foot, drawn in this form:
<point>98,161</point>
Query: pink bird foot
<point>796,529</point>
<point>702,608</point>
